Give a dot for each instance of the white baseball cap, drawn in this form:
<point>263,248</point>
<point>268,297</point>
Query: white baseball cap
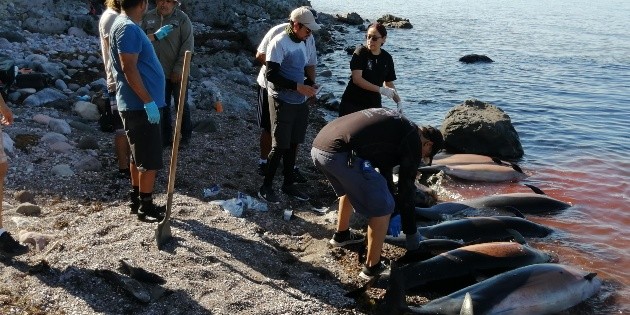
<point>305,17</point>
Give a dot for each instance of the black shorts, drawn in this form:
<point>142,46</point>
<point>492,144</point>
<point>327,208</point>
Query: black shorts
<point>145,140</point>
<point>264,121</point>
<point>116,121</point>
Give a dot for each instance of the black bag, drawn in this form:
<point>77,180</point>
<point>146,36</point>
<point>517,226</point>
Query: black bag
<point>7,72</point>
<point>33,80</point>
<point>106,121</point>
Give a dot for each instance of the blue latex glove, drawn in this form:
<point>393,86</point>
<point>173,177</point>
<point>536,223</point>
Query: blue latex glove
<point>163,31</point>
<point>152,112</point>
<point>394,225</point>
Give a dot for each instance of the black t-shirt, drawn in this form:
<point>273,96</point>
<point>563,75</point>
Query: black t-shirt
<point>386,139</point>
<point>376,70</point>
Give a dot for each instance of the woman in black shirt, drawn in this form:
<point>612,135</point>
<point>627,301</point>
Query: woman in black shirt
<point>372,74</point>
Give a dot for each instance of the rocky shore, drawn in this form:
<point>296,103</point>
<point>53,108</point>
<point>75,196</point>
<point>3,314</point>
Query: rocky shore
<point>64,197</point>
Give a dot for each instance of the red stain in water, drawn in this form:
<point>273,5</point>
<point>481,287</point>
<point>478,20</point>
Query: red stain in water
<point>593,234</point>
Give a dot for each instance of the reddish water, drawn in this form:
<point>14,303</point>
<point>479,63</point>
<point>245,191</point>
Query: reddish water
<point>593,234</point>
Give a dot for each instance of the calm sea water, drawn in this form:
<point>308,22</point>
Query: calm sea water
<point>562,73</point>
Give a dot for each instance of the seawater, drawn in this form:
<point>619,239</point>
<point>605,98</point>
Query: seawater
<point>561,72</point>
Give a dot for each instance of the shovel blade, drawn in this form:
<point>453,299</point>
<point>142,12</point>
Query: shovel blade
<point>163,233</point>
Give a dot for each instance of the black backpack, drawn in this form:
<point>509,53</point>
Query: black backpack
<point>7,72</point>
<point>106,121</point>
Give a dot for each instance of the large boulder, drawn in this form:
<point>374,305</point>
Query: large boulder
<point>481,128</point>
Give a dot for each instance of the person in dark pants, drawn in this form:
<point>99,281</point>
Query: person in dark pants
<point>140,96</point>
<point>349,149</point>
<point>286,60</point>
<point>171,33</point>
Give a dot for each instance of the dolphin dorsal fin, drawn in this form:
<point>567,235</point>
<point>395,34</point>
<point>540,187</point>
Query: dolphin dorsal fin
<point>590,276</point>
<point>467,306</point>
<point>514,211</point>
<point>535,189</point>
<point>518,237</point>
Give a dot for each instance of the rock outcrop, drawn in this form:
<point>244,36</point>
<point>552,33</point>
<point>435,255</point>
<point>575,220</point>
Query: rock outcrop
<point>481,128</point>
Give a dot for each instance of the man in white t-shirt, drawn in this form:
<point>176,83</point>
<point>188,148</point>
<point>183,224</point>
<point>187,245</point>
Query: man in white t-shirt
<point>286,59</point>
<point>121,146</point>
<point>263,104</point>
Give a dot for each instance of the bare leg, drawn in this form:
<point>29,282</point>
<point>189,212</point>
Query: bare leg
<point>147,180</point>
<point>135,175</point>
<point>344,214</point>
<point>377,228</point>
<point>121,146</point>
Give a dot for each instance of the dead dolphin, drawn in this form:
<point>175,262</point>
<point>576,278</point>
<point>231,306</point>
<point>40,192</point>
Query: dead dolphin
<point>479,172</point>
<point>463,266</point>
<point>479,229</point>
<point>466,158</point>
<point>534,289</point>
<point>529,203</point>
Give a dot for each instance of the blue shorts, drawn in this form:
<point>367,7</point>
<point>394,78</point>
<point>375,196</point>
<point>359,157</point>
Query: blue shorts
<point>365,187</point>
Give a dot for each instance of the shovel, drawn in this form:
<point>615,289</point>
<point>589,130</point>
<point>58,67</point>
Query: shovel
<point>163,231</point>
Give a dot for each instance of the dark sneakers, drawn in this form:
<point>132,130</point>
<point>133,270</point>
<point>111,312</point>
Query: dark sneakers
<point>10,247</point>
<point>294,192</point>
<point>379,269</point>
<point>351,238</point>
<point>149,209</point>
<point>268,195</point>
<point>298,177</point>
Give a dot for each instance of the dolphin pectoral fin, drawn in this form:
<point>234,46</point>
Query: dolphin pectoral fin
<point>535,189</point>
<point>517,236</point>
<point>514,211</point>
<point>516,168</point>
<point>467,305</point>
<point>590,276</point>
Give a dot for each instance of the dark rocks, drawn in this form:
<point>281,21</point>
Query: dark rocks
<point>389,20</point>
<point>481,128</point>
<point>474,58</point>
<point>23,196</point>
<point>350,18</point>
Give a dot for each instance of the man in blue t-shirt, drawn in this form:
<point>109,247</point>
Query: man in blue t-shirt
<point>140,83</point>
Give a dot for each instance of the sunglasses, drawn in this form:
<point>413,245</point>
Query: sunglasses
<point>373,37</point>
<point>308,30</point>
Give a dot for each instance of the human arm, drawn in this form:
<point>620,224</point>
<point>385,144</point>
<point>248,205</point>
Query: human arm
<point>7,114</point>
<point>187,43</point>
<point>273,75</point>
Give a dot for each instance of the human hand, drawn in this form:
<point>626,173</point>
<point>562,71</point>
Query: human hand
<point>387,91</point>
<point>399,107</point>
<point>306,90</point>
<point>396,98</point>
<point>7,114</point>
<point>152,112</point>
<point>163,31</point>
<point>394,225</point>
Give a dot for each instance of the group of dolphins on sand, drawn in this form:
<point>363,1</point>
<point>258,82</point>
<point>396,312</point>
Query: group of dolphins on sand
<point>484,261</point>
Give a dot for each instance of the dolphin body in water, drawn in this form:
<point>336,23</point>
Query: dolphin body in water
<point>461,267</point>
<point>466,158</point>
<point>530,203</point>
<point>479,172</point>
<point>535,289</point>
<point>478,229</point>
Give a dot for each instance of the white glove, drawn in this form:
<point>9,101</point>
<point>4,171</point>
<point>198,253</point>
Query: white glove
<point>386,91</point>
<point>399,105</point>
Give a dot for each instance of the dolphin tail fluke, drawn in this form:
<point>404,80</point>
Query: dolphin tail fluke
<point>467,306</point>
<point>394,301</point>
<point>356,293</point>
<point>535,189</point>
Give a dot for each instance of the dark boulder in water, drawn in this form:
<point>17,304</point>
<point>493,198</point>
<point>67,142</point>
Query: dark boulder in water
<point>474,58</point>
